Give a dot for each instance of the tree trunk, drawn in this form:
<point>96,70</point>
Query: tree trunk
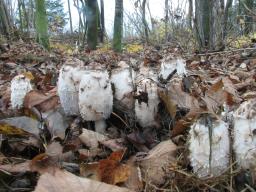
<point>118,26</point>
<point>190,14</point>
<point>248,4</point>
<point>70,18</point>
<point>41,24</point>
<point>144,20</point>
<point>166,19</point>
<point>5,25</point>
<point>225,21</point>
<point>92,21</point>
<point>102,19</point>
<point>202,22</point>
<point>20,16</point>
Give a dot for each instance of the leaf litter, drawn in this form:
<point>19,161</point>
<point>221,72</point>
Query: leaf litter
<point>53,151</point>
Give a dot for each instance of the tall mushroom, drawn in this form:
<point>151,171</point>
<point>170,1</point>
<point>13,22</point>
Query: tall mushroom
<point>209,147</point>
<point>95,96</point>
<point>68,85</point>
<point>245,135</point>
<point>122,79</point>
<point>147,100</point>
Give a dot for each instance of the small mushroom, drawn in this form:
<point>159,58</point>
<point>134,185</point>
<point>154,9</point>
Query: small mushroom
<point>20,86</point>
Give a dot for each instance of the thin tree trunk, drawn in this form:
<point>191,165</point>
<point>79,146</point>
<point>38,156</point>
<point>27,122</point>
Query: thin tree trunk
<point>190,14</point>
<point>166,19</point>
<point>41,24</point>
<point>5,24</point>
<point>225,20</point>
<point>102,19</point>
<point>248,20</point>
<point>70,18</point>
<point>92,21</point>
<point>118,26</point>
<point>20,16</point>
<point>144,19</point>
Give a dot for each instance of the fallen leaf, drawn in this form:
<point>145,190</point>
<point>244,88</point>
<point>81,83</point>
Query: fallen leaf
<point>56,122</point>
<point>223,91</point>
<point>41,101</point>
<point>155,165</point>
<point>181,125</point>
<point>134,182</point>
<point>91,138</point>
<point>20,126</point>
<point>48,161</point>
<point>111,171</point>
<point>65,182</point>
<point>114,144</point>
<point>17,167</point>
<point>170,106</point>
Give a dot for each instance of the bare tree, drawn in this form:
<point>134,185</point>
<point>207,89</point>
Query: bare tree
<point>70,18</point>
<point>145,24</point>
<point>102,19</point>
<point>166,19</point>
<point>5,24</point>
<point>118,26</point>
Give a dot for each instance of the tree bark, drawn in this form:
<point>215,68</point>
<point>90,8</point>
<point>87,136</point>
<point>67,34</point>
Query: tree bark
<point>118,26</point>
<point>70,18</point>
<point>144,20</point>
<point>5,25</point>
<point>190,14</point>
<point>248,18</point>
<point>92,22</point>
<point>102,19</point>
<point>41,24</point>
<point>20,16</point>
<point>166,19</point>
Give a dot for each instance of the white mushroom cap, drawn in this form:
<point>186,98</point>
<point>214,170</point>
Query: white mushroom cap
<point>95,96</point>
<point>168,67</point>
<point>146,112</point>
<point>245,134</point>
<point>122,79</point>
<point>209,157</point>
<point>67,90</point>
<point>20,86</point>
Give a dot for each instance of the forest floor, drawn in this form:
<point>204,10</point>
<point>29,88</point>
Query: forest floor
<point>42,149</point>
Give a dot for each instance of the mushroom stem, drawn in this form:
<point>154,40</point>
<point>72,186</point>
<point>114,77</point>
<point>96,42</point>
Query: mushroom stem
<point>100,126</point>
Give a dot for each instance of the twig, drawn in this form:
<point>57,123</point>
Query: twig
<point>227,51</point>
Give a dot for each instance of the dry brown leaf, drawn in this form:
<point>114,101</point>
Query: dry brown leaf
<point>184,123</point>
<point>134,182</point>
<point>155,165</point>
<point>114,144</point>
<point>17,167</point>
<point>92,138</point>
<point>223,91</point>
<point>65,182</point>
<point>108,170</point>
<point>90,171</point>
<point>169,104</point>
<point>48,161</point>
<point>41,101</point>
